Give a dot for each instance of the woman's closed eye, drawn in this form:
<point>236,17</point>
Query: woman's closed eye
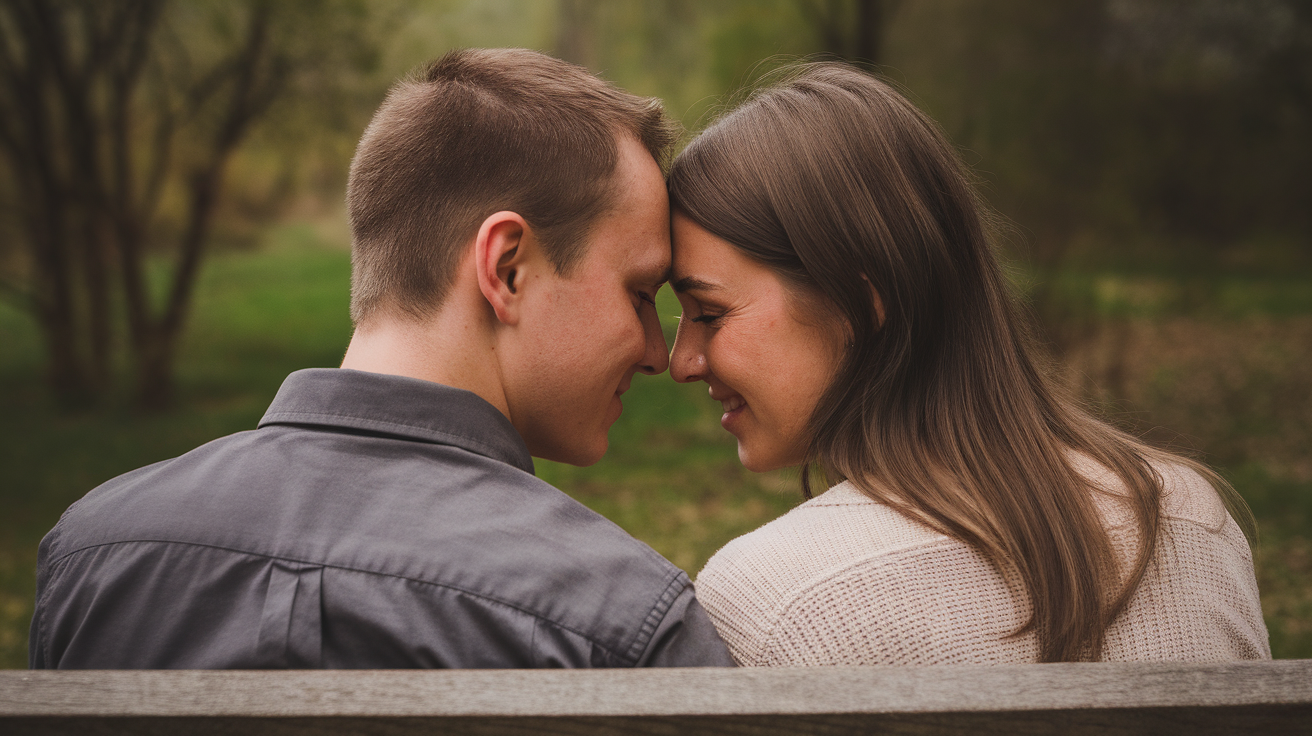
<point>707,319</point>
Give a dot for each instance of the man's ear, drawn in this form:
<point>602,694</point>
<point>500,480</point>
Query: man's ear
<point>498,257</point>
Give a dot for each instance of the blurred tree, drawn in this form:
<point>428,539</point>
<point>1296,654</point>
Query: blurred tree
<point>576,32</point>
<point>1222,112</point>
<point>119,120</point>
<point>1141,134</point>
<point>850,29</point>
<point>1123,129</point>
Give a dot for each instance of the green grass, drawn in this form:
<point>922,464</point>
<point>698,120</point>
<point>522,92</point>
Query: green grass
<point>1215,296</point>
<point>671,477</point>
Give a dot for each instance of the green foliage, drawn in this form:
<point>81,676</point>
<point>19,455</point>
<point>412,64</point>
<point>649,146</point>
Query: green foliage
<point>1152,156</point>
<point>1162,126</point>
<point>1231,386</point>
<point>1156,119</point>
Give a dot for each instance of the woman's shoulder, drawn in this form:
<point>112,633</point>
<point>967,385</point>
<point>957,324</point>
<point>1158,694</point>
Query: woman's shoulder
<point>831,529</point>
<point>752,580</point>
<point>843,579</point>
<point>1186,495</point>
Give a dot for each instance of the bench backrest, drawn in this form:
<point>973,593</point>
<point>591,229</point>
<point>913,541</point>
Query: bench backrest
<point>1256,697</point>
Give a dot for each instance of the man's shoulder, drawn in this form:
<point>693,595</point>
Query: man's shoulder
<point>114,508</point>
<point>260,491</point>
<point>446,519</point>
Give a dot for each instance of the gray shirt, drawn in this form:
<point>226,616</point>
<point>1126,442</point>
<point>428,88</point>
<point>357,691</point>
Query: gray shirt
<point>370,521</point>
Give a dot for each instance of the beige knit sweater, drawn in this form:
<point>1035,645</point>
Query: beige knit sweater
<point>844,580</point>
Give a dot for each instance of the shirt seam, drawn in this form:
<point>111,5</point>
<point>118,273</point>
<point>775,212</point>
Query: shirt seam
<point>456,439</point>
<point>40,611</point>
<point>39,607</point>
<point>642,639</point>
<point>447,586</point>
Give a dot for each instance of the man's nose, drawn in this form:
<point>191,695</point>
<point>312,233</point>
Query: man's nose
<point>687,362</point>
<point>656,356</point>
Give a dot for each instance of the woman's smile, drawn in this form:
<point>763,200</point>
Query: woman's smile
<point>733,405</point>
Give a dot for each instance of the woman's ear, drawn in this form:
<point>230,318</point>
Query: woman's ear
<point>499,254</point>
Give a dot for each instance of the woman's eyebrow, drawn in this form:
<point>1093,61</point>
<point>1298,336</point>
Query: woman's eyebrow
<point>692,283</point>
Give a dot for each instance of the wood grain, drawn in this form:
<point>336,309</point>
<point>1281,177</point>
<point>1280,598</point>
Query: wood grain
<point>1070,698</point>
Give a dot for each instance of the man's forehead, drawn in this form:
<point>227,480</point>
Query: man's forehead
<point>634,258</point>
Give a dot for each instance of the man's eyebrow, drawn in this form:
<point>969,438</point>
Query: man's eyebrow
<point>653,273</point>
<point>692,283</point>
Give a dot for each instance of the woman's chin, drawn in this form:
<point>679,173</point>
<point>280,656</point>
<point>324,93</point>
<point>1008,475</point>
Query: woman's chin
<point>755,461</point>
<point>759,458</point>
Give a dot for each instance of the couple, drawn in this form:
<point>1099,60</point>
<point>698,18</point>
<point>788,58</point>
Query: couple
<point>511,228</point>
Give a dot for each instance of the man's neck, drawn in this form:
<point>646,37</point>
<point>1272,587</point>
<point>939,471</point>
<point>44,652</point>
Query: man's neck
<point>446,348</point>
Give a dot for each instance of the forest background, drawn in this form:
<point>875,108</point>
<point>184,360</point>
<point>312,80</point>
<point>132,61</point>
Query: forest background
<point>173,240</point>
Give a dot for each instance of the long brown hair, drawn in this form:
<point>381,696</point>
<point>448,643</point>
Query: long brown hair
<point>943,411</point>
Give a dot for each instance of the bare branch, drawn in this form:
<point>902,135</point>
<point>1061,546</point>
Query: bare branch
<point>126,77</point>
<point>244,105</point>
<point>106,99</point>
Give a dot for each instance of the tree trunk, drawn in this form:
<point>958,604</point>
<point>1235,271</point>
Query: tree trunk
<point>98,308</point>
<point>54,300</point>
<point>155,356</point>
<point>64,370</point>
<point>156,342</point>
<point>852,30</point>
<point>869,31</point>
<point>574,32</point>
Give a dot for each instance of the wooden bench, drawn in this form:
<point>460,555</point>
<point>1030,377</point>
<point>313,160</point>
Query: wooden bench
<point>1251,697</point>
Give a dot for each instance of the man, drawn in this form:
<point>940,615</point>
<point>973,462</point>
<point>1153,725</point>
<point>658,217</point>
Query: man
<point>510,230</point>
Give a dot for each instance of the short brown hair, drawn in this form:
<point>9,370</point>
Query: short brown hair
<point>477,132</point>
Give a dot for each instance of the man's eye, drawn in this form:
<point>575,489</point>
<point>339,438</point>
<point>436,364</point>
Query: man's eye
<point>707,319</point>
<point>644,296</point>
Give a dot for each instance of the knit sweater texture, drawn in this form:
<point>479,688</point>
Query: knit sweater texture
<point>845,580</point>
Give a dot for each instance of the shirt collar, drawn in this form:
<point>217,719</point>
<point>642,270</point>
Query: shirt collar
<point>398,406</point>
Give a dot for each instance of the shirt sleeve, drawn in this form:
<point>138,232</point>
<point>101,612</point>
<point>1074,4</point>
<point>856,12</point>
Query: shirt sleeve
<point>686,637</point>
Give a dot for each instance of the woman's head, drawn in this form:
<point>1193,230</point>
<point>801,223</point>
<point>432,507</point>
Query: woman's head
<point>851,198</point>
<point>869,328</point>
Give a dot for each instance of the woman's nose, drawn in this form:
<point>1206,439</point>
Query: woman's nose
<point>688,360</point>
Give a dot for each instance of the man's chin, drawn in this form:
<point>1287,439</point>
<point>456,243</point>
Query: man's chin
<point>598,450</point>
<point>580,456</point>
<point>616,409</point>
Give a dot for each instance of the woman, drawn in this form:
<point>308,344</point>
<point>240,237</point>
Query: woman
<point>841,299</point>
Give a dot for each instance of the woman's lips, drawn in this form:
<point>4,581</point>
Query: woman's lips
<point>733,406</point>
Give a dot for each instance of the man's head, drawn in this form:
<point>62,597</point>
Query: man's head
<point>509,207</point>
<point>480,131</point>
